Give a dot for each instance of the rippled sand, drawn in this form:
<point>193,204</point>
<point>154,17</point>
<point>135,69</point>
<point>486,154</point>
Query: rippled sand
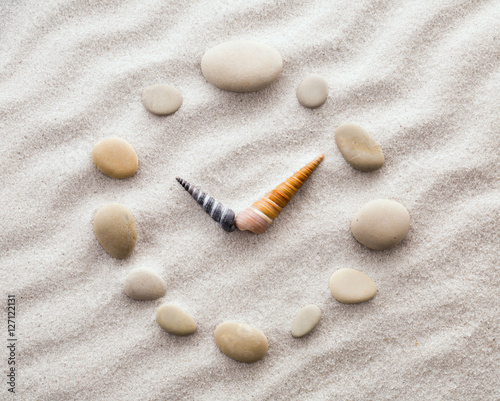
<point>422,78</point>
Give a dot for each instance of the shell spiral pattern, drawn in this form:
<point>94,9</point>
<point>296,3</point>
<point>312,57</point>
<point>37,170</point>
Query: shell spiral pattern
<point>258,217</point>
<point>217,211</point>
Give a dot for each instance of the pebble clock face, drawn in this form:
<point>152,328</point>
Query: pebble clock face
<point>245,66</point>
<point>121,275</point>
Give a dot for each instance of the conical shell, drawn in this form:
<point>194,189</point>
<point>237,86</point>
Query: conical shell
<point>258,217</point>
<point>217,211</point>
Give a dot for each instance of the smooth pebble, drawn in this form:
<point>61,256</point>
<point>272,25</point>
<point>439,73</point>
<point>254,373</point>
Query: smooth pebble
<point>241,342</point>
<point>161,99</point>
<point>359,148</point>
<point>381,224</point>
<point>351,286</point>
<point>144,285</point>
<point>115,229</point>
<point>306,320</point>
<point>174,320</point>
<point>241,65</point>
<point>312,92</point>
<point>115,157</point>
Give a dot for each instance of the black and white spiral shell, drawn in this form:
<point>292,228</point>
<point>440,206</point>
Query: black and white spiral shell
<point>221,214</point>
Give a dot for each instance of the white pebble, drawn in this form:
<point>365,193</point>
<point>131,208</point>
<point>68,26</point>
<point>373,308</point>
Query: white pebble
<point>351,286</point>
<point>174,320</point>
<point>306,320</point>
<point>161,99</point>
<point>142,284</point>
<point>241,65</point>
<point>381,224</point>
<point>312,92</point>
<point>359,148</point>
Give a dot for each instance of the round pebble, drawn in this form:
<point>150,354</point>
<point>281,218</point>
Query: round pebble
<point>115,157</point>
<point>351,286</point>
<point>115,229</point>
<point>381,224</point>
<point>174,320</point>
<point>161,99</point>
<point>306,320</point>
<point>144,285</point>
<point>359,148</point>
<point>241,65</point>
<point>312,92</point>
<point>241,342</point>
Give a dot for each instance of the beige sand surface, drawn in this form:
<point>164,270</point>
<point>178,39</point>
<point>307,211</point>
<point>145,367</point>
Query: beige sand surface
<point>422,76</point>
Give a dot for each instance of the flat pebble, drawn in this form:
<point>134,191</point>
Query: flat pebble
<point>174,320</point>
<point>241,65</point>
<point>312,92</point>
<point>381,224</point>
<point>144,285</point>
<point>161,99</point>
<point>306,320</point>
<point>115,229</point>
<point>359,148</point>
<point>241,342</point>
<point>351,286</point>
<point>115,157</point>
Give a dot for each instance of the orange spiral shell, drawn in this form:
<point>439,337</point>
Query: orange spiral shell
<point>260,215</point>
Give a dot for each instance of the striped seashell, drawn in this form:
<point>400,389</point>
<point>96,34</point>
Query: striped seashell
<point>221,214</point>
<point>258,217</point>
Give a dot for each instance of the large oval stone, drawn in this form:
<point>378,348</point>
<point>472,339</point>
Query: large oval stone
<point>381,224</point>
<point>241,65</point>
<point>144,285</point>
<point>359,148</point>
<point>115,229</point>
<point>115,157</point>
<point>351,286</point>
<point>306,320</point>
<point>174,320</point>
<point>241,342</point>
<point>161,99</point>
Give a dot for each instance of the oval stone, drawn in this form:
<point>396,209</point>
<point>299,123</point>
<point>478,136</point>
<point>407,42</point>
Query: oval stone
<point>241,342</point>
<point>241,65</point>
<point>115,229</point>
<point>312,92</point>
<point>174,320</point>
<point>161,99</point>
<point>115,157</point>
<point>144,285</point>
<point>351,286</point>
<point>306,320</point>
<point>381,224</point>
<point>359,148</point>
